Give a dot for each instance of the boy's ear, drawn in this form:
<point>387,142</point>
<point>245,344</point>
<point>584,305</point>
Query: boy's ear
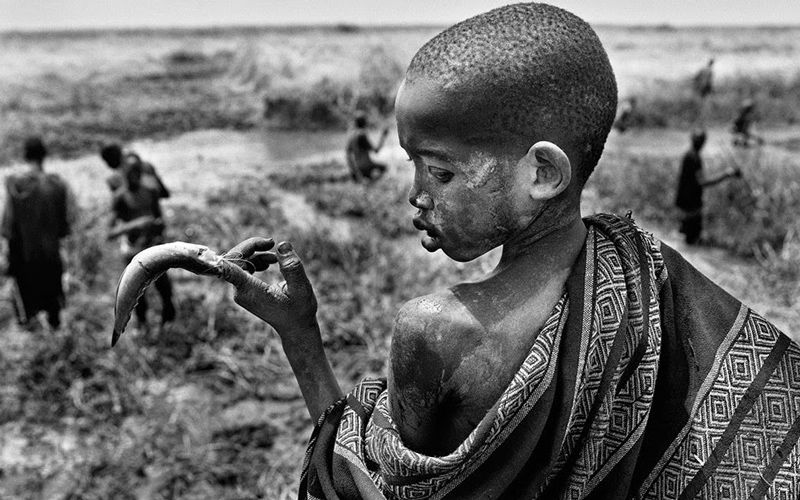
<point>549,169</point>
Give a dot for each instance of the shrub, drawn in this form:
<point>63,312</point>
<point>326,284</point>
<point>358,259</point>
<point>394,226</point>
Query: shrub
<point>673,104</point>
<point>330,100</point>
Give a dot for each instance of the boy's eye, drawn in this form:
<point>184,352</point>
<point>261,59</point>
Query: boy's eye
<point>440,174</point>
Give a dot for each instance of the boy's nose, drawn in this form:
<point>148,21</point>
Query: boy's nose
<point>420,200</point>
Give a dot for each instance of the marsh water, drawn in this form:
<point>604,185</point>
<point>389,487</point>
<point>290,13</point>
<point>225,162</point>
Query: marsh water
<point>192,163</point>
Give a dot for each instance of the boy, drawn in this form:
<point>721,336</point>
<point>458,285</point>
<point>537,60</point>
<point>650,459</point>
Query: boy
<point>593,362</point>
<point>136,206</point>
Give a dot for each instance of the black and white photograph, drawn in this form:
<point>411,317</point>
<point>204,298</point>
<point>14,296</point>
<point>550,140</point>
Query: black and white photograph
<point>394,250</point>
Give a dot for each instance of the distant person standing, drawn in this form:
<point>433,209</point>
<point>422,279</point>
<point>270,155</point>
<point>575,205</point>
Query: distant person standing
<point>38,213</point>
<point>358,151</point>
<point>742,128</point>
<point>703,86</point>
<point>136,215</point>
<point>704,80</point>
<point>691,183</point>
<point>625,115</point>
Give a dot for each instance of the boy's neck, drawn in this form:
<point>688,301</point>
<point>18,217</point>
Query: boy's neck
<point>549,250</point>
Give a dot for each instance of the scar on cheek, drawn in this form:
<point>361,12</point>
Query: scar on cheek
<point>479,168</point>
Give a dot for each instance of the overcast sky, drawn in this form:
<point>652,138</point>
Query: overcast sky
<point>39,14</point>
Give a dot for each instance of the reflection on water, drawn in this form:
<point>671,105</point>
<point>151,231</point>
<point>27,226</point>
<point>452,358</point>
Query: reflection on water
<point>288,146</point>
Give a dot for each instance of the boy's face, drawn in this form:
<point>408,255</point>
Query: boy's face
<point>465,189</point>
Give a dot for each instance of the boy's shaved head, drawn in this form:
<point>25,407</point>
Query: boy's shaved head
<point>540,71</point>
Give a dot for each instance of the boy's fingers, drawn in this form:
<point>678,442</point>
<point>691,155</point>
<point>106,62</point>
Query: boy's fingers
<point>261,261</point>
<point>292,270</point>
<point>248,247</point>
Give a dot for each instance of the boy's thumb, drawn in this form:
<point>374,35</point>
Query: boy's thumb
<point>291,268</point>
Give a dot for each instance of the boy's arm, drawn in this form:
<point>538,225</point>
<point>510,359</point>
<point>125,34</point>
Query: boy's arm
<point>424,355</point>
<point>290,308</point>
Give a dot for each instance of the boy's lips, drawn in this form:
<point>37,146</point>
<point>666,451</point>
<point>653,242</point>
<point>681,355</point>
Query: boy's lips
<point>419,223</point>
<point>431,240</point>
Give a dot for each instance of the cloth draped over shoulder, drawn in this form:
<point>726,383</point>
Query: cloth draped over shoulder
<point>648,381</point>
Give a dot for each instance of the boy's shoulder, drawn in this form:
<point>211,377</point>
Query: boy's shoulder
<point>433,330</point>
<point>434,314</point>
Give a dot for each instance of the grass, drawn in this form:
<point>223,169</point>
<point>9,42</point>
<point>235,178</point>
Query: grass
<point>327,186</point>
<point>76,116</point>
<point>749,216</point>
<point>754,217</point>
<point>149,415</point>
<point>331,100</point>
<point>209,408</point>
<point>89,88</point>
<point>672,103</point>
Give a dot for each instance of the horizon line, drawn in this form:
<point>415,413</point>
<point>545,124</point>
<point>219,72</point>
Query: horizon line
<point>345,27</point>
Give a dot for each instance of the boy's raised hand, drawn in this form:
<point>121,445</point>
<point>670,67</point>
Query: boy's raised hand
<point>290,307</point>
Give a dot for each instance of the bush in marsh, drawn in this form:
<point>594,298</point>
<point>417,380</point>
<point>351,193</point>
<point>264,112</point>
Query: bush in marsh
<point>673,103</point>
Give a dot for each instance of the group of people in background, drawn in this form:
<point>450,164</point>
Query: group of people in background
<point>136,217</point>
<point>41,210</point>
<point>692,179</point>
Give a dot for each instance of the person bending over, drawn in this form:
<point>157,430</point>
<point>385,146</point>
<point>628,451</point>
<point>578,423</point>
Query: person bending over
<point>358,151</point>
<point>743,125</point>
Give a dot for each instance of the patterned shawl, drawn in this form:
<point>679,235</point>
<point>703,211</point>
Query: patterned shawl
<point>647,381</point>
